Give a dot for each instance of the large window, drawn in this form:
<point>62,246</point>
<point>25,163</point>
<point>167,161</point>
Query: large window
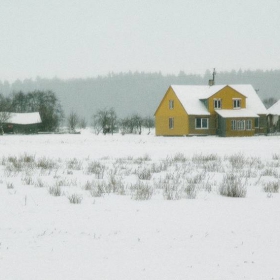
<point>241,124</point>
<point>171,123</point>
<point>217,103</point>
<point>236,103</point>
<point>171,104</point>
<point>248,124</point>
<point>201,123</point>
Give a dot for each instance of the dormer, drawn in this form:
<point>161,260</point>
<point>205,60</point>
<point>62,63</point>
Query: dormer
<point>226,99</point>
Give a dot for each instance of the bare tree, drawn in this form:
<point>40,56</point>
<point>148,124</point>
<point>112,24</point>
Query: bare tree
<point>149,123</point>
<point>72,121</point>
<point>268,102</point>
<point>104,120</point>
<point>5,108</point>
<point>82,123</point>
<point>132,124</point>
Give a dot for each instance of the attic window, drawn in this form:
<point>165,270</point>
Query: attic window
<point>236,103</point>
<point>217,103</point>
<point>171,104</point>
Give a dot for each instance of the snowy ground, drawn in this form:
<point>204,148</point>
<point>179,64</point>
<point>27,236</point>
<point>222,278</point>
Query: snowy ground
<point>198,234</point>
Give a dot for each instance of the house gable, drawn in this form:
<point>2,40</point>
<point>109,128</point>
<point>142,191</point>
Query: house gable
<point>226,95</point>
<point>171,117</point>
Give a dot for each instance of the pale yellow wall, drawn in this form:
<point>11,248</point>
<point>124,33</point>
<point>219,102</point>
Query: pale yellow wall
<point>163,114</point>
<point>227,94</point>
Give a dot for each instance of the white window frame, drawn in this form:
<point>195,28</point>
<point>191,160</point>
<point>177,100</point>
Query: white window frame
<point>236,103</point>
<point>240,125</point>
<point>171,104</point>
<point>201,123</point>
<point>171,123</point>
<point>217,103</point>
<point>233,125</point>
<point>248,124</point>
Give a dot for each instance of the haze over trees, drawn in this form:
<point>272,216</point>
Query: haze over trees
<point>135,93</point>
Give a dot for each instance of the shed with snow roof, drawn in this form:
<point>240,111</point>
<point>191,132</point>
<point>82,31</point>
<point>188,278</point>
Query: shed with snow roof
<point>224,110</point>
<point>22,123</point>
<point>274,117</point>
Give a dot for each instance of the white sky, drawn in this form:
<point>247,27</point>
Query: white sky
<point>85,38</point>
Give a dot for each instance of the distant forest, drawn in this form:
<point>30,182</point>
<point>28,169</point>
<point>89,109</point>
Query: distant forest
<point>140,93</point>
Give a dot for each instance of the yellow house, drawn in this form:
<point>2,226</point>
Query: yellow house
<point>224,110</point>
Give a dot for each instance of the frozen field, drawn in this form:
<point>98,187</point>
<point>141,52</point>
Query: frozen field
<point>147,207</point>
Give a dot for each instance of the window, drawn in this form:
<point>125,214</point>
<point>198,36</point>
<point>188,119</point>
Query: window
<point>248,124</point>
<point>233,125</point>
<point>171,104</point>
<point>240,124</point>
<point>201,123</point>
<point>171,123</point>
<point>257,122</point>
<point>217,103</point>
<point>236,103</point>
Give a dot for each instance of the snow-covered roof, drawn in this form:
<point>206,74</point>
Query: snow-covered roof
<point>24,118</point>
<point>274,109</point>
<point>240,113</point>
<point>190,96</point>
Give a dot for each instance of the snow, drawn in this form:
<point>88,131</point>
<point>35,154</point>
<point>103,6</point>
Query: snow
<point>44,237</point>
<point>274,109</point>
<point>190,97</point>
<point>238,113</point>
<point>24,118</point>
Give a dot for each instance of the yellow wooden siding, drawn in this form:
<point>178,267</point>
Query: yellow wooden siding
<point>231,133</point>
<point>227,95</point>
<point>199,131</point>
<point>163,114</point>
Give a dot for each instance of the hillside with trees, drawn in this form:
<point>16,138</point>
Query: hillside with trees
<point>135,93</point>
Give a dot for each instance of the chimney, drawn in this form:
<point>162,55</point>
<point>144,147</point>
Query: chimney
<point>212,82</point>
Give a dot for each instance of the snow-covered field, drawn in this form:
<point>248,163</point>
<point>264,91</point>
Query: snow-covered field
<point>150,207</point>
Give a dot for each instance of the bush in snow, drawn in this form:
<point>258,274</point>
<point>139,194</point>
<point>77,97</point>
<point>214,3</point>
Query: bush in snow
<point>271,187</point>
<point>75,198</point>
<point>55,190</point>
<point>232,186</point>
<point>141,191</point>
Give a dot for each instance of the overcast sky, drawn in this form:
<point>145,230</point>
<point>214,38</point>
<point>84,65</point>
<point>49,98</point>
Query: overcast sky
<point>87,38</point>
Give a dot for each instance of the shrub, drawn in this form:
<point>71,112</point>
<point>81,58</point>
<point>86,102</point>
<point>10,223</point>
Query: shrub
<point>74,164</point>
<point>10,185</point>
<point>271,187</point>
<point>45,163</point>
<point>75,198</point>
<point>55,190</point>
<point>39,183</point>
<point>141,191</point>
<point>232,186</point>
<point>97,189</point>
<point>96,168</point>
<point>171,187</point>
<point>237,161</point>
<point>190,191</point>
<point>144,173</point>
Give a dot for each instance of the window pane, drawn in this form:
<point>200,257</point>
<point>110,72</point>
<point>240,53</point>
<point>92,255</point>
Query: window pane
<point>198,123</point>
<point>204,123</point>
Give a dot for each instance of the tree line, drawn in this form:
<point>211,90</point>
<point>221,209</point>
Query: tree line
<point>52,115</point>
<point>106,121</point>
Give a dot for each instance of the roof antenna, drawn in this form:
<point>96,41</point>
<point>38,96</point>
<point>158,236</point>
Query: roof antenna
<point>212,82</point>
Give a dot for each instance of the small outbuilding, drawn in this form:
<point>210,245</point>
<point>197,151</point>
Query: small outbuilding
<point>273,117</point>
<point>25,123</point>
